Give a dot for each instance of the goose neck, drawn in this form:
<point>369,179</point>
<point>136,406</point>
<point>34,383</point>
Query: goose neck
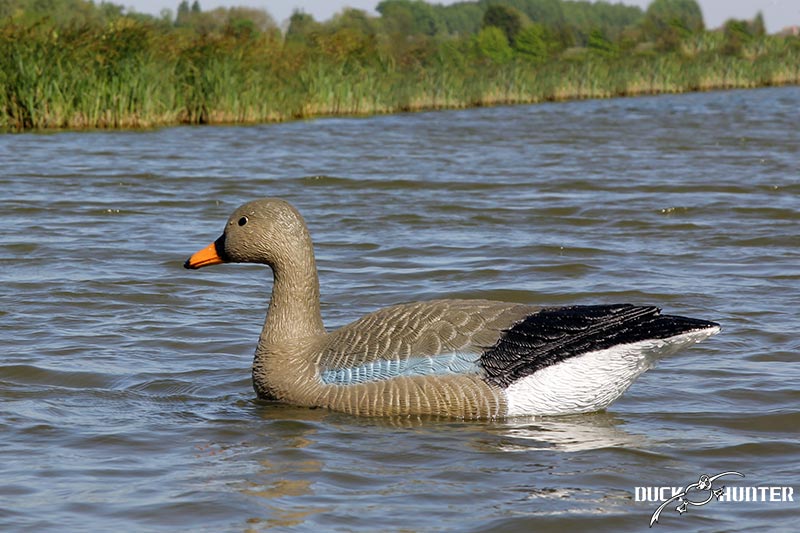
<point>294,309</point>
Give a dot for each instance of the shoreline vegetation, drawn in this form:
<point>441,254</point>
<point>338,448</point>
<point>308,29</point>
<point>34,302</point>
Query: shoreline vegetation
<point>73,64</point>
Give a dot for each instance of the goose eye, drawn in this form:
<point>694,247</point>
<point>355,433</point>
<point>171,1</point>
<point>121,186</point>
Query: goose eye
<point>243,221</point>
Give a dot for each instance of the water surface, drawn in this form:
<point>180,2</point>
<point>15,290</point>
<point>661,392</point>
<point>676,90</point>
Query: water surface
<point>124,381</point>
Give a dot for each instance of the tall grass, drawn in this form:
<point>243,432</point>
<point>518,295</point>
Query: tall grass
<point>130,74</point>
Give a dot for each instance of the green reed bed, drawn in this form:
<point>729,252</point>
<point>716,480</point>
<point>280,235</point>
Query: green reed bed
<point>132,74</point>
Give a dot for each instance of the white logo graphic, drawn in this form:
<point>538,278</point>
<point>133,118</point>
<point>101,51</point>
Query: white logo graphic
<point>704,489</point>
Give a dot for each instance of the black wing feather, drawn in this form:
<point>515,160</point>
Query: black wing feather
<point>555,334</point>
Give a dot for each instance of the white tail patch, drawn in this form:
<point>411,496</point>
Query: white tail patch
<point>592,381</point>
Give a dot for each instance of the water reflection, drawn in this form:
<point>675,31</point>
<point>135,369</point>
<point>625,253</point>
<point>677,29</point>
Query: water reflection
<point>287,468</point>
<point>567,434</point>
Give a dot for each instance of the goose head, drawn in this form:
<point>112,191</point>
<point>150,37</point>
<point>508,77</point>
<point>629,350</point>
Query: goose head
<point>268,231</point>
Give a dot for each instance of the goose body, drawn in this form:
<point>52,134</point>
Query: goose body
<point>458,358</point>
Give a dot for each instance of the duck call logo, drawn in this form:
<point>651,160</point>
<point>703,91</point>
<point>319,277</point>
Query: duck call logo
<point>695,495</point>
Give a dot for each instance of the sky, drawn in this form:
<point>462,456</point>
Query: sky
<point>777,13</point>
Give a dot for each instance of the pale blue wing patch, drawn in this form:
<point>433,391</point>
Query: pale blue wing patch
<point>447,363</point>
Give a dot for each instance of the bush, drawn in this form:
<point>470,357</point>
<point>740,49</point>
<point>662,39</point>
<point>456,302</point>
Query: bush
<point>493,44</point>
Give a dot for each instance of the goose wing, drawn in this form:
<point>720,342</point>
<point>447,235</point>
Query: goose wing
<point>436,337</point>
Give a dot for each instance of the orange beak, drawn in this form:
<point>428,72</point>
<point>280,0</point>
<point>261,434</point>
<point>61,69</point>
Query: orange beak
<point>207,256</point>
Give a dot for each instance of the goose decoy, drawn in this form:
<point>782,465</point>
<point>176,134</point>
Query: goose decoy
<point>457,358</point>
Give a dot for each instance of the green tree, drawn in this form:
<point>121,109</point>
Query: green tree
<point>109,11</point>
<point>493,44</point>
<point>462,18</point>
<point>532,42</point>
<point>262,21</point>
<point>245,22</point>
<point>184,14</point>
<point>7,7</point>
<point>506,18</point>
<point>613,20</point>
<point>396,17</point>
<point>599,43</point>
<point>757,26</point>
<point>736,34</point>
<point>302,27</point>
<point>547,12</point>
<point>354,19</point>
<point>668,19</point>
<point>411,17</point>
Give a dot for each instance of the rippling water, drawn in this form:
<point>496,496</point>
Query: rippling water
<point>124,381</point>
